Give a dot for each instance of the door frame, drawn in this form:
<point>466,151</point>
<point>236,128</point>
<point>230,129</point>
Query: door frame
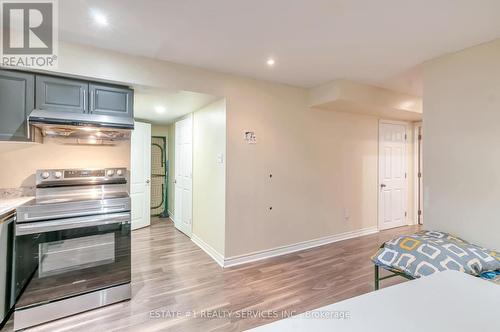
<point>406,167</point>
<point>418,163</point>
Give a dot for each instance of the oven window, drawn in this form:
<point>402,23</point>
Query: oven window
<point>75,254</point>
<point>57,264</point>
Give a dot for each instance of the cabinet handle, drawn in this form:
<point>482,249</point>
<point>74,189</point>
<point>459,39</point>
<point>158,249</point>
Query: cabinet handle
<point>28,132</point>
<point>84,100</point>
<point>91,106</point>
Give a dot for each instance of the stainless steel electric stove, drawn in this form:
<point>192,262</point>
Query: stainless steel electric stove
<point>72,245</point>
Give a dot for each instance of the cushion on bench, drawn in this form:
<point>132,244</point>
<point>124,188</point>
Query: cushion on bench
<point>426,252</point>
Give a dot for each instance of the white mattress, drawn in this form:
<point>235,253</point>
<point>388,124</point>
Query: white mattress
<point>448,301</point>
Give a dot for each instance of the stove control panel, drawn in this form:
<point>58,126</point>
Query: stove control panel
<point>84,173</point>
<point>82,176</point>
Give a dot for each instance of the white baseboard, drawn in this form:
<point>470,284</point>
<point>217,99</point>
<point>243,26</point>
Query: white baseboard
<point>283,250</point>
<point>278,251</point>
<point>216,256</point>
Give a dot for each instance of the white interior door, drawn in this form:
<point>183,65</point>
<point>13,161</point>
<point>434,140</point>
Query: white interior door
<point>392,175</point>
<point>140,173</point>
<point>183,184</point>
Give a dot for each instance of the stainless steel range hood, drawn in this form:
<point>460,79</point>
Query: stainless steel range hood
<point>83,126</point>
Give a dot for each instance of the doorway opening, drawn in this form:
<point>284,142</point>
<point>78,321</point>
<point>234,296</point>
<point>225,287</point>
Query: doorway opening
<point>181,173</point>
<point>159,177</point>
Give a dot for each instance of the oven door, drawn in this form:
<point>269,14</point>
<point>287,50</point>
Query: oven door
<point>62,258</point>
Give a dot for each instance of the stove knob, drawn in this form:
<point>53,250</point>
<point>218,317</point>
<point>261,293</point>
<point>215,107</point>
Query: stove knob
<point>45,175</point>
<point>110,172</point>
<point>119,172</point>
<point>58,175</point>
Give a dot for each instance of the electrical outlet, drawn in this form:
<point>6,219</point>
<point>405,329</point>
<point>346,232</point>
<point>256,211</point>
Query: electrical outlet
<point>347,216</point>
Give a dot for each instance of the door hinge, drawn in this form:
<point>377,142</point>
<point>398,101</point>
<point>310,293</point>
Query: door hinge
<point>419,212</point>
<point>420,137</point>
<point>406,137</point>
<point>419,174</point>
<point>406,175</point>
<point>406,214</point>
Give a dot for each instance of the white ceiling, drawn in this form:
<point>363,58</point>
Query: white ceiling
<point>174,103</point>
<point>313,41</point>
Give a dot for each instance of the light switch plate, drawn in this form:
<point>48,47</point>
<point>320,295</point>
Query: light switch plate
<point>220,158</point>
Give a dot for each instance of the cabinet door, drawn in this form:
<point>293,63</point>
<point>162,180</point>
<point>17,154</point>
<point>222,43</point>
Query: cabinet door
<point>16,102</point>
<point>61,94</point>
<point>111,100</point>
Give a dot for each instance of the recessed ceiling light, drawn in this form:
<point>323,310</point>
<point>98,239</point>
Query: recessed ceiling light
<point>99,18</point>
<point>408,105</point>
<point>160,109</point>
<point>270,62</point>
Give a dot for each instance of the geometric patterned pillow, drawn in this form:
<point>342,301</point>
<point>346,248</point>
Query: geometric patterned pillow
<point>427,252</point>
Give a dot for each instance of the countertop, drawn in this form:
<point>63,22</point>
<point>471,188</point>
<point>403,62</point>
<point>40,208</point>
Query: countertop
<point>9,204</point>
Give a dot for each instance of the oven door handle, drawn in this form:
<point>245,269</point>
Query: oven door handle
<point>70,223</point>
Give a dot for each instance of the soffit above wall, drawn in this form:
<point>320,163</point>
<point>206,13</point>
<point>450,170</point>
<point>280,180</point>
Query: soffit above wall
<point>348,96</point>
<point>163,106</point>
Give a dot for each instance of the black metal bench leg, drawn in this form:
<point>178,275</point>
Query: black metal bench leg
<point>377,281</point>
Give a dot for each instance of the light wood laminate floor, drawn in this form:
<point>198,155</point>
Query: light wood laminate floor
<point>173,280</point>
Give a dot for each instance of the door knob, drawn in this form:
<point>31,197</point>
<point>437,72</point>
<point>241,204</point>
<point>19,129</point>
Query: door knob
<point>147,181</point>
<point>382,185</point>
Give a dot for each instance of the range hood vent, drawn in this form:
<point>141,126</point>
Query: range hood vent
<point>82,126</point>
<point>87,134</point>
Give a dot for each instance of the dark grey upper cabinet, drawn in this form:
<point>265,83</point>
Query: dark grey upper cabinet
<point>16,102</point>
<point>61,94</point>
<point>21,92</point>
<point>111,100</point>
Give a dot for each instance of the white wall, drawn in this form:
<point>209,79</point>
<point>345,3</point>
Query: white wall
<point>462,144</point>
<point>321,162</point>
<point>19,161</point>
<point>209,175</point>
<point>159,130</point>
